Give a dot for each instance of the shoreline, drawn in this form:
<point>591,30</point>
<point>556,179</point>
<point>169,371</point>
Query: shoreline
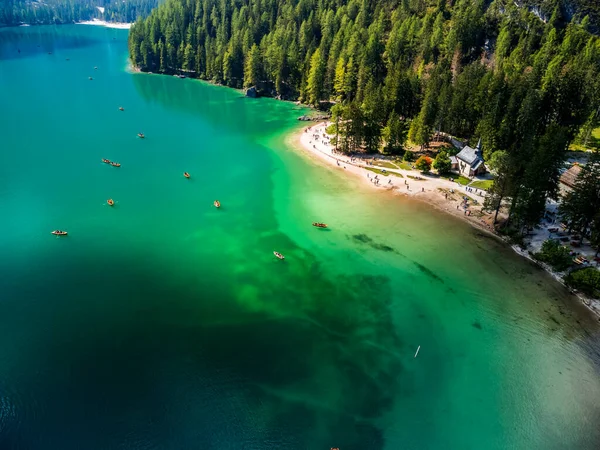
<point>436,192</point>
<point>433,194</point>
<point>428,188</point>
<point>104,23</point>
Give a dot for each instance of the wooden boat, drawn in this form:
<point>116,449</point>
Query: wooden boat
<point>319,225</point>
<point>106,161</point>
<point>185,174</point>
<point>110,202</point>
<point>141,135</point>
<point>121,108</point>
<point>217,204</point>
<point>279,255</point>
<point>59,233</point>
<point>115,164</point>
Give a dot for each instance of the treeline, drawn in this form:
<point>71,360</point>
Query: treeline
<point>127,11</point>
<point>398,68</point>
<point>573,9</point>
<point>16,12</point>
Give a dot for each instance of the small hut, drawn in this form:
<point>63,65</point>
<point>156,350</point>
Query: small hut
<point>569,177</point>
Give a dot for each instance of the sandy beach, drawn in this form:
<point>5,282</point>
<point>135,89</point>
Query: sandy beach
<point>103,23</point>
<point>439,192</point>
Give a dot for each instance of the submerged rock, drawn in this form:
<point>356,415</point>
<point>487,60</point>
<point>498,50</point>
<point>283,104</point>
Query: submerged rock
<point>306,118</point>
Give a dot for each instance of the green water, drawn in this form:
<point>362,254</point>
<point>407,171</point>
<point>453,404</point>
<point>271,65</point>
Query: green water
<point>164,323</point>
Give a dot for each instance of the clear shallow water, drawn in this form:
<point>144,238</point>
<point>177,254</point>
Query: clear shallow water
<point>164,323</point>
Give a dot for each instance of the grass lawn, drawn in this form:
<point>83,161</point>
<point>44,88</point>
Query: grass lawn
<point>460,179</point>
<point>385,164</point>
<point>381,172</point>
<point>594,142</point>
<point>482,184</point>
<point>403,164</point>
<point>577,148</point>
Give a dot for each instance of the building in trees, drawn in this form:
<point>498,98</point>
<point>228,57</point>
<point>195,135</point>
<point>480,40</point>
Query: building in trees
<point>569,177</point>
<point>469,161</point>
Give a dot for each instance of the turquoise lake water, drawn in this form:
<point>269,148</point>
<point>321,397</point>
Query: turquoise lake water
<point>164,323</point>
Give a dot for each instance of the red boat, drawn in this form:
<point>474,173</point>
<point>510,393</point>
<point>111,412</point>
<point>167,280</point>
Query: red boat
<point>185,174</point>
<point>319,225</point>
<point>110,202</point>
<point>59,233</point>
<point>217,204</point>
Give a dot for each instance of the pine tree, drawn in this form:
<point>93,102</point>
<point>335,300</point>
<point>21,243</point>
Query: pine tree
<point>340,74</point>
<point>252,67</point>
<point>316,76</point>
<point>395,134</point>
